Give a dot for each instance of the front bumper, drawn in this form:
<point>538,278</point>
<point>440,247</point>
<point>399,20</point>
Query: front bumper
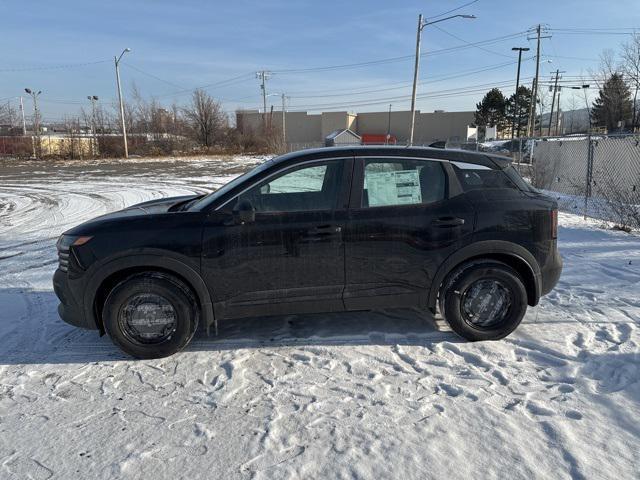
<point>69,309</point>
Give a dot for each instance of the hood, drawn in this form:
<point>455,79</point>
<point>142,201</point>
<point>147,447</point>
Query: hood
<point>160,205</point>
<point>152,207</point>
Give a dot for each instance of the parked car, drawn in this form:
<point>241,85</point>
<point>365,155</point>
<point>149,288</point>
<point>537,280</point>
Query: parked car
<point>325,230</point>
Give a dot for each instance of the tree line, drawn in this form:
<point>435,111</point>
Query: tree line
<point>615,109</point>
<point>200,126</point>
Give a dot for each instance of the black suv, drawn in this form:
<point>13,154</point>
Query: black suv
<point>326,230</point>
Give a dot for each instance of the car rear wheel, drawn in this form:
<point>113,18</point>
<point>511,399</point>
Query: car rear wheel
<point>151,315</point>
<point>483,300</point>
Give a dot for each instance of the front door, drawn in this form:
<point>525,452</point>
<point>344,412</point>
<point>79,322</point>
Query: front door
<point>402,225</point>
<point>290,258</point>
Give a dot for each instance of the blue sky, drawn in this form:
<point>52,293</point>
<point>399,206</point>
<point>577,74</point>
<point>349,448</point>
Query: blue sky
<point>182,45</point>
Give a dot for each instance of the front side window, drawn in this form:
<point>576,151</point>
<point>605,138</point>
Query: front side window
<point>297,189</point>
<point>402,182</point>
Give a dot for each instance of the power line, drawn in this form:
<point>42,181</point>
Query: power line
<point>468,43</point>
<point>222,83</point>
<point>52,67</point>
<point>384,61</point>
<point>434,94</point>
<point>452,10</point>
<point>433,79</point>
<point>151,75</point>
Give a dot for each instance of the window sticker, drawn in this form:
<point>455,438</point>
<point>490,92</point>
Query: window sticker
<point>393,188</point>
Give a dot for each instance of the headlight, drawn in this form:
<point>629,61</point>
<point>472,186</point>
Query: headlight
<point>66,241</point>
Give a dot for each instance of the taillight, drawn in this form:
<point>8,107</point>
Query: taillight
<point>554,223</point>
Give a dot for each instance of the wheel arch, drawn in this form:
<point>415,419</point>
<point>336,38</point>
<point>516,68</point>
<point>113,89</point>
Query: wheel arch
<point>514,255</point>
<point>110,273</point>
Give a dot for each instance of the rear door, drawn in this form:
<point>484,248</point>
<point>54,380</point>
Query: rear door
<point>403,222</point>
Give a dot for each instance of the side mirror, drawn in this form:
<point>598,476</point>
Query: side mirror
<point>265,189</point>
<point>244,212</point>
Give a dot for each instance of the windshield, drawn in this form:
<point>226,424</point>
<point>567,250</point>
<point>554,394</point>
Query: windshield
<point>211,197</point>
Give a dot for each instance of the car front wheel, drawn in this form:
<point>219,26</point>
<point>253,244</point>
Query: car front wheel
<point>150,315</point>
<point>483,300</point>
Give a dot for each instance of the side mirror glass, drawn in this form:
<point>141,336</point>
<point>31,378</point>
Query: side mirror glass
<point>244,212</point>
<point>266,188</point>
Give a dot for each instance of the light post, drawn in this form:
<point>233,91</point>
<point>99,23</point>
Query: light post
<point>36,119</point>
<point>516,108</point>
<point>124,128</point>
<point>93,99</point>
<point>421,24</point>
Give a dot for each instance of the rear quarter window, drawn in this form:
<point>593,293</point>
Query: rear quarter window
<point>472,179</point>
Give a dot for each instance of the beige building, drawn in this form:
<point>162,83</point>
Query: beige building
<point>311,129</point>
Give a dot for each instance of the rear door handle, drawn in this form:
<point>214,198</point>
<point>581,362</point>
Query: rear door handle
<point>325,230</point>
<point>448,222</point>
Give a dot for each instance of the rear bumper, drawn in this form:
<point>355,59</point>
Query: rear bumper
<point>70,310</point>
<point>551,273</point>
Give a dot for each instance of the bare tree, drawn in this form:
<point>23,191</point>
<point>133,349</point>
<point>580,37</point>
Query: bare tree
<point>574,104</point>
<point>205,119</point>
<point>631,68</point>
<point>7,114</point>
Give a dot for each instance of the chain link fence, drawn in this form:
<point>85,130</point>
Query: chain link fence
<point>595,175</point>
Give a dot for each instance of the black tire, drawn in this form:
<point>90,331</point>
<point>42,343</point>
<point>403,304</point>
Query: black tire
<point>483,300</point>
<point>169,313</point>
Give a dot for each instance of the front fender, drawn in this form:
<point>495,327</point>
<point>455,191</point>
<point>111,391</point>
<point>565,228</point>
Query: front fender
<point>147,258</point>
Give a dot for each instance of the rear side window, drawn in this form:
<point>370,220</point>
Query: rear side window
<point>402,182</point>
<point>472,179</point>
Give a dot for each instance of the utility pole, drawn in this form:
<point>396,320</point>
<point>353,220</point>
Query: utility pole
<point>284,127</point>
<point>534,93</point>
<point>553,101</point>
<point>124,127</point>
<point>389,125</point>
<point>558,117</point>
<point>36,120</point>
<point>516,108</point>
<point>94,141</point>
<point>416,67</point>
<point>263,75</point>
<point>24,122</point>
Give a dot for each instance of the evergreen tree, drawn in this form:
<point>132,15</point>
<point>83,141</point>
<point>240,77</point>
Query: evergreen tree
<point>613,104</point>
<point>491,111</point>
<point>520,118</point>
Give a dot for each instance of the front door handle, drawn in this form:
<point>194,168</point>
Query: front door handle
<point>448,222</point>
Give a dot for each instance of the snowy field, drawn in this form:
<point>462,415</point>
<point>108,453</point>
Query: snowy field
<point>375,395</point>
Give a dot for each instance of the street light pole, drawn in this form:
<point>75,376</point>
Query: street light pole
<point>421,24</point>
<point>24,122</point>
<point>516,108</point>
<point>36,119</point>
<point>124,128</point>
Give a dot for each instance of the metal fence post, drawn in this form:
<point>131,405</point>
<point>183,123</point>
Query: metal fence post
<point>519,152</point>
<point>589,176</point>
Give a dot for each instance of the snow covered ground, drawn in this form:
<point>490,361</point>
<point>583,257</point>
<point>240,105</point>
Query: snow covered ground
<point>375,395</point>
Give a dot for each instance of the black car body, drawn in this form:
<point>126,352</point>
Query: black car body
<point>332,229</point>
